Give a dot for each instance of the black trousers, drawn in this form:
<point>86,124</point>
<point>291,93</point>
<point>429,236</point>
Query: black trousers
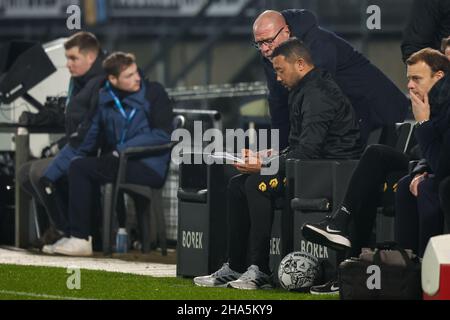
<point>363,193</point>
<point>444,197</point>
<point>417,219</point>
<point>250,211</point>
<point>29,175</point>
<point>85,178</point>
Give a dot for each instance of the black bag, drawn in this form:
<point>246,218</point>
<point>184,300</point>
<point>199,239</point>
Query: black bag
<point>53,114</point>
<point>399,275</point>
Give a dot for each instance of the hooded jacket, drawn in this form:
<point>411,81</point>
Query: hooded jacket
<point>150,125</point>
<point>375,98</point>
<point>323,122</point>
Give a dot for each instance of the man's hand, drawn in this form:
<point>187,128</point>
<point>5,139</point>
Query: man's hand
<point>252,164</point>
<point>420,108</point>
<point>47,185</point>
<point>413,187</point>
<point>247,153</point>
<point>50,151</point>
<point>266,153</point>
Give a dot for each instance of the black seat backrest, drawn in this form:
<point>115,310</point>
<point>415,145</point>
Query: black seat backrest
<point>399,136</point>
<point>404,136</point>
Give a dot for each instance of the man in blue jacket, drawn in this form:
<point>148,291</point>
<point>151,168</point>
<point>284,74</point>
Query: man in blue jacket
<point>376,99</point>
<point>130,112</point>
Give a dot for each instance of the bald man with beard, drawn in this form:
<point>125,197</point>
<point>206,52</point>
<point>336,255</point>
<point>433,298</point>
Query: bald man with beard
<point>375,98</point>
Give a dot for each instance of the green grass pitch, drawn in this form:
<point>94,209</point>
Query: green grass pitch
<point>36,283</point>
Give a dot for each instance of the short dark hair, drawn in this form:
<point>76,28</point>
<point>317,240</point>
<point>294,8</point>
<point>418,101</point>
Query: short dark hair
<point>85,41</point>
<point>445,43</point>
<point>436,60</point>
<point>116,62</point>
<point>293,49</point>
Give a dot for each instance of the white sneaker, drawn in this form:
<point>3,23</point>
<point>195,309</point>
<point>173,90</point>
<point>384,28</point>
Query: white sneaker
<point>220,278</point>
<point>75,247</point>
<point>50,248</point>
<point>252,279</point>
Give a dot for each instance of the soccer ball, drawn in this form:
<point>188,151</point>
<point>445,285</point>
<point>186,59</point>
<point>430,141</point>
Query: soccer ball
<point>298,271</point>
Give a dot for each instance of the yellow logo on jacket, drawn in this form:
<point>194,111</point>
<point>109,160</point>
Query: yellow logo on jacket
<point>262,187</point>
<point>274,183</point>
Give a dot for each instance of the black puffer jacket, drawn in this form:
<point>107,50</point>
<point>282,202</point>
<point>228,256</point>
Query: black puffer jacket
<point>428,24</point>
<point>375,98</point>
<point>323,122</point>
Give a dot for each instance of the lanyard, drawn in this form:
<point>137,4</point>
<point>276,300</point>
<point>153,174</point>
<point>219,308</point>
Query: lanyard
<point>69,94</point>
<point>119,106</point>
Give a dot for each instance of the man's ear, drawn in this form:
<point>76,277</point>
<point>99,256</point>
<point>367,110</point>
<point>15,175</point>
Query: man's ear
<point>440,74</point>
<point>91,56</point>
<point>288,29</point>
<point>113,80</point>
<point>300,64</point>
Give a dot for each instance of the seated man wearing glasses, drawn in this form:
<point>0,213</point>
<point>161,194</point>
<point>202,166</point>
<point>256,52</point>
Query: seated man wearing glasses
<point>375,98</point>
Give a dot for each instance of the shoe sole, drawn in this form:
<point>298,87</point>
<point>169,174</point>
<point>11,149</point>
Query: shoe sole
<point>324,293</point>
<point>324,238</point>
<point>264,287</point>
<point>52,252</point>
<point>69,253</point>
<point>225,285</point>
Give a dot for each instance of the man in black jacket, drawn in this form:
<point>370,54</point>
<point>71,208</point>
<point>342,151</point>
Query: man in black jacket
<point>418,213</point>
<point>429,24</point>
<point>323,126</point>
<point>375,98</point>
<point>84,61</point>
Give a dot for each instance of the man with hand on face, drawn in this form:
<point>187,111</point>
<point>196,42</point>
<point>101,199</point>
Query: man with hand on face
<point>374,97</point>
<point>418,212</point>
<point>417,205</point>
<point>323,126</point>
<point>131,112</point>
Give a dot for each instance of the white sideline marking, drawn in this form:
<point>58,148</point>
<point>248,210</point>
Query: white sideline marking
<point>24,258</point>
<point>35,295</point>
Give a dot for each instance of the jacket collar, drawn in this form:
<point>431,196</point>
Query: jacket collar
<point>439,97</point>
<point>96,70</point>
<point>313,74</point>
<point>137,98</point>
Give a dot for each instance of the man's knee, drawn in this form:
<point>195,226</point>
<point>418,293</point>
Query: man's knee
<point>427,188</point>
<point>403,184</point>
<point>23,175</point>
<point>375,151</point>
<point>236,183</point>
<point>77,167</point>
<point>265,185</point>
<point>37,170</point>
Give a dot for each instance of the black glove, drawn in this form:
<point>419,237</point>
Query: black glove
<point>110,164</point>
<point>47,185</point>
<point>50,151</point>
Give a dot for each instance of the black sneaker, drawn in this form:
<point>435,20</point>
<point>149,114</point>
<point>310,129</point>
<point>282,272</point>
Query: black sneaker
<point>331,287</point>
<point>330,232</point>
<point>327,234</point>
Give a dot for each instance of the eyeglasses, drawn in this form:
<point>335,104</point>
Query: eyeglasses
<point>267,42</point>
